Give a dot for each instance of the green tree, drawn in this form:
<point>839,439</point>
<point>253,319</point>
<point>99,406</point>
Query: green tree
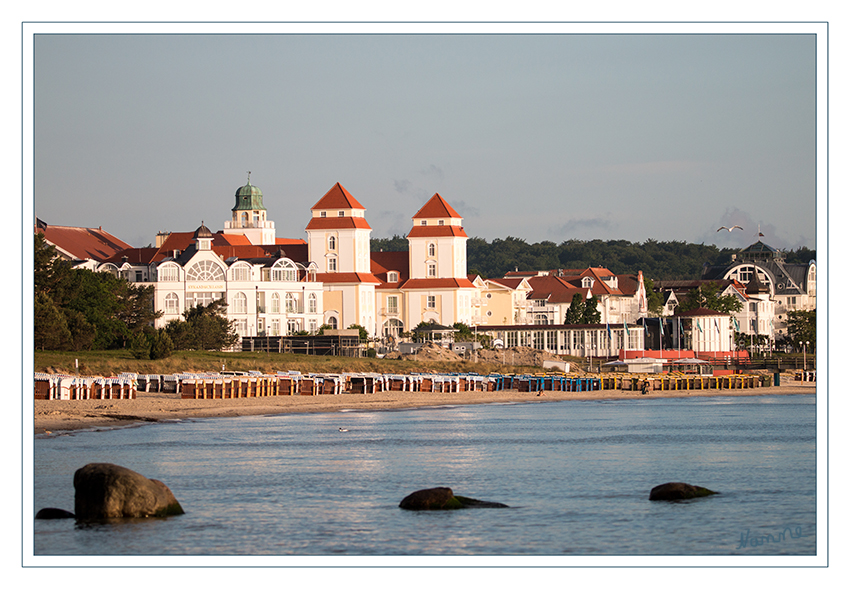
<point>205,328</point>
<point>654,300</point>
<point>802,327</point>
<point>575,314</point>
<point>50,329</point>
<point>591,314</point>
<point>708,296</point>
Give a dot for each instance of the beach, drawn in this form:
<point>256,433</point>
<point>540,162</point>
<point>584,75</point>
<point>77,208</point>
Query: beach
<point>55,416</point>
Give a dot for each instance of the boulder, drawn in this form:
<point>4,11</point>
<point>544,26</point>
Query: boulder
<point>104,491</point>
<point>677,491</point>
<point>53,513</point>
<point>441,498</point>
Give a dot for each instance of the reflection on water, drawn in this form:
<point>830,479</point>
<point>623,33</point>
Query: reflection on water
<point>576,475</point>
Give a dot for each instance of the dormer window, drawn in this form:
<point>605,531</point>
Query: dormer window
<point>323,214</point>
<point>392,276</point>
<point>341,214</point>
<point>423,222</point>
<point>587,282</point>
<point>441,222</point>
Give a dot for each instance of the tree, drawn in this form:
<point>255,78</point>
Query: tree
<point>575,314</point>
<point>802,327</point>
<point>654,300</point>
<point>708,296</point>
<point>591,312</point>
<point>50,330</point>
<point>205,328</point>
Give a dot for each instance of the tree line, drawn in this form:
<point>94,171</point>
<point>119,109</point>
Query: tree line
<point>662,260</point>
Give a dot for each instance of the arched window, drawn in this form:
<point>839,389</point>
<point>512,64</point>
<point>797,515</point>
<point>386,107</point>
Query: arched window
<point>432,250</point>
<point>587,282</point>
<point>240,272</point>
<point>205,270</point>
<point>332,243</point>
<point>244,219</point>
<point>392,276</point>
<point>167,273</point>
<point>172,304</point>
<point>290,303</point>
<point>284,271</point>
<point>312,303</point>
<point>275,306</point>
<point>332,323</point>
<point>240,303</point>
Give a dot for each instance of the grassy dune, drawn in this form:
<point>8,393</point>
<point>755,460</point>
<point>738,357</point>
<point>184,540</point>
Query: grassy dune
<point>113,362</point>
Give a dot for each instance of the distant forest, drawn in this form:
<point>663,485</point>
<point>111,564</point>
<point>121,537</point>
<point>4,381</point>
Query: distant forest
<point>659,260</point>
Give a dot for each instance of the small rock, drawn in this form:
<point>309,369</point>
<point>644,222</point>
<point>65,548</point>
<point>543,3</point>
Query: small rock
<point>677,491</point>
<point>53,513</point>
<point>441,498</point>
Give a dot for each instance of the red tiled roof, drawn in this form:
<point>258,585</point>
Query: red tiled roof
<point>383,262</point>
<point>289,241</point>
<point>437,207</point>
<point>437,231</point>
<point>337,223</point>
<point>83,243</point>
<point>232,239</point>
<point>346,278</point>
<point>436,283</point>
<point>337,198</point>
<point>512,283</point>
<point>135,255</point>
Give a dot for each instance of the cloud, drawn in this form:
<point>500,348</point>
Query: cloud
<point>582,228</point>
<point>401,186</point>
<point>742,238</point>
<point>433,171</point>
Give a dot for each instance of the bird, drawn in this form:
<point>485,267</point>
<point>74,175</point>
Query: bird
<point>342,429</point>
<point>729,229</point>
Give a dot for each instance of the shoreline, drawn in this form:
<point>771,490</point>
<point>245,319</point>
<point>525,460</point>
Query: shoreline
<point>53,417</point>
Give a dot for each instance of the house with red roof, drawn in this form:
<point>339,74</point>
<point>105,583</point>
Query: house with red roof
<point>81,245</point>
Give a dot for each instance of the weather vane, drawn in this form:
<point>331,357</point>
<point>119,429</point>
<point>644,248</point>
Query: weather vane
<point>249,176</point>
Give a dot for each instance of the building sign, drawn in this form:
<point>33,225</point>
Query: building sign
<point>205,286</point>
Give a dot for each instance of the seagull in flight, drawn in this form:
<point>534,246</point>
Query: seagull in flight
<point>729,229</point>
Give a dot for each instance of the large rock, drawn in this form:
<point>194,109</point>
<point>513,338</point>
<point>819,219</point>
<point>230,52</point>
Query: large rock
<point>441,498</point>
<point>677,491</point>
<point>106,491</point>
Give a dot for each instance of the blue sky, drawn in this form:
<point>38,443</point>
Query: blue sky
<point>541,137</point>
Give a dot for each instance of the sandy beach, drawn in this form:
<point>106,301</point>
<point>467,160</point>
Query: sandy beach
<point>53,417</point>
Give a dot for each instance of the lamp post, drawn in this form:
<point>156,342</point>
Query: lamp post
<point>804,345</point>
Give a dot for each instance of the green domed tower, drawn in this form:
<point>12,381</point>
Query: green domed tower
<point>249,216</point>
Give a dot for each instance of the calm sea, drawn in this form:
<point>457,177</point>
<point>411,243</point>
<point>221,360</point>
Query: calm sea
<point>576,474</point>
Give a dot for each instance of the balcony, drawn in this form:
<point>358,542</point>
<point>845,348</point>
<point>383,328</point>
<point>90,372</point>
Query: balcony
<point>389,311</point>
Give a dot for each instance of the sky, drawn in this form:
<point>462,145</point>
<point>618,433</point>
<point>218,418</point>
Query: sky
<point>544,137</point>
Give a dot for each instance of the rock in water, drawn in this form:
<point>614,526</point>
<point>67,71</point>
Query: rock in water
<point>676,491</point>
<point>53,513</point>
<point>441,498</point>
<point>106,491</point>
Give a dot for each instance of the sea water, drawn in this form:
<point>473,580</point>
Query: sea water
<point>576,476</point>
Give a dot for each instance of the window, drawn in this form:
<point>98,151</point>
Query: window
<point>393,328</point>
<point>332,322</point>
<point>423,222</point>
<point>341,214</point>
<point>240,303</point>
<point>312,303</point>
<point>274,327</point>
<point>754,307</point>
<point>392,304</point>
<point>284,271</point>
<point>432,270</point>
<point>202,298</point>
<point>241,326</point>
<point>313,327</point>
<point>392,276</point>
<point>587,282</point>
<point>291,326</point>
<point>332,264</point>
<point>240,273</point>
<point>205,270</point>
<point>290,303</point>
<point>512,339</point>
<point>332,243</point>
<point>275,304</point>
<point>539,302</point>
<point>323,214</point>
<point>432,250</point>
<point>441,222</point>
<point>172,304</point>
<point>431,302</point>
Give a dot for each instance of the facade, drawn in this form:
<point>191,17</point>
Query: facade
<point>790,287</point>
